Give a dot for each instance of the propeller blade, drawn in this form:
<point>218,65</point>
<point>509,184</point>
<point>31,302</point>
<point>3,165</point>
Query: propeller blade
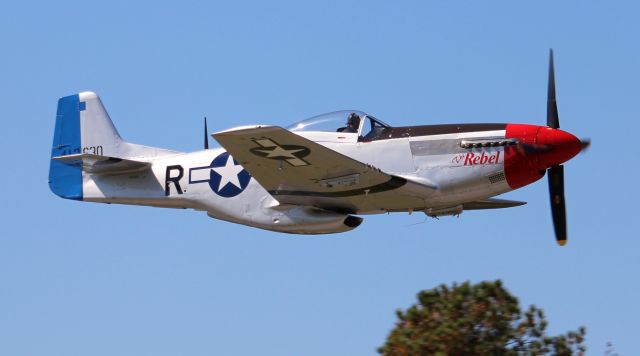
<point>558,209</point>
<point>206,135</point>
<point>552,107</point>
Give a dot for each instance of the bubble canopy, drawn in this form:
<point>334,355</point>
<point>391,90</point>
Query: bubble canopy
<point>331,122</point>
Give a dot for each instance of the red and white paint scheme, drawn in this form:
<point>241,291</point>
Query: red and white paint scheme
<point>317,176</point>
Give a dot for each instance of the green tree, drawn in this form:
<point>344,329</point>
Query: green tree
<point>476,319</point>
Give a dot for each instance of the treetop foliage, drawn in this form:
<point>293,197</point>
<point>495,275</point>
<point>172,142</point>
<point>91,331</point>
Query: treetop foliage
<point>476,319</point>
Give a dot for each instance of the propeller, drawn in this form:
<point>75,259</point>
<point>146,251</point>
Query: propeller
<point>556,173</point>
<point>206,135</point>
<point>585,142</point>
<point>550,148</point>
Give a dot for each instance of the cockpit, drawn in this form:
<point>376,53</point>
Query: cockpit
<point>346,121</point>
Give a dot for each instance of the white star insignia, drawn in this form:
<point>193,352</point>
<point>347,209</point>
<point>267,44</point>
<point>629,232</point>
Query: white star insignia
<point>228,174</point>
<point>280,152</point>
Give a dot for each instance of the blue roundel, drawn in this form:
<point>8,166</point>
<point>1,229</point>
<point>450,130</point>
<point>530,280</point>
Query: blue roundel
<point>227,177</point>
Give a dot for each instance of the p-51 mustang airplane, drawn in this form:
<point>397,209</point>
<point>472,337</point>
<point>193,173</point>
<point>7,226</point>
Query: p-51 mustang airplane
<point>314,176</point>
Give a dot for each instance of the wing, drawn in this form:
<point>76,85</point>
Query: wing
<point>295,170</point>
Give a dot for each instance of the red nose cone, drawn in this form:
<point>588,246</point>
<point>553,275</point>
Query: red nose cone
<point>539,148</point>
<point>560,147</point>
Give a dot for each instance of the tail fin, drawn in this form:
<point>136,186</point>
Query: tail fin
<point>96,128</point>
<point>82,126</point>
<point>86,142</point>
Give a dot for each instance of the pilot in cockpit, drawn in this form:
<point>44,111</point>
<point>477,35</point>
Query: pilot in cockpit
<point>353,122</point>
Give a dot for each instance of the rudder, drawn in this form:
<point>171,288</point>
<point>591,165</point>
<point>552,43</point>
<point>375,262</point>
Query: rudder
<point>66,180</point>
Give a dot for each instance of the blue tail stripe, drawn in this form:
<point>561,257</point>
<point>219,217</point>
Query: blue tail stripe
<point>65,180</point>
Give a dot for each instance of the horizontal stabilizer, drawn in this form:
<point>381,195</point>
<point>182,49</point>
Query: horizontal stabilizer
<point>492,204</point>
<point>102,164</point>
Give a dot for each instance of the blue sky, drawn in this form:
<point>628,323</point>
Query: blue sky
<point>79,279</point>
